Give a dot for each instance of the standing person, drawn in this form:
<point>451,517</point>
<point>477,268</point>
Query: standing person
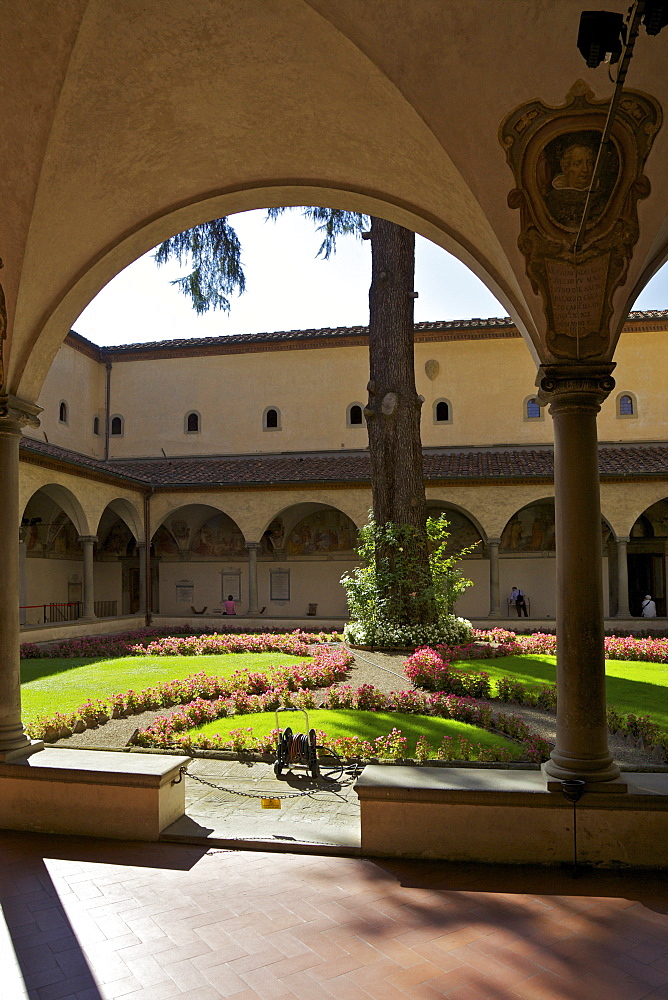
<point>230,605</point>
<point>648,607</point>
<point>521,604</point>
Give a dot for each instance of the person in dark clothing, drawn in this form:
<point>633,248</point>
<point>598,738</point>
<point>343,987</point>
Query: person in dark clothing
<point>521,605</point>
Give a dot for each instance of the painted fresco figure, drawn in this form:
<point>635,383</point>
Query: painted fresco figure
<point>564,173</point>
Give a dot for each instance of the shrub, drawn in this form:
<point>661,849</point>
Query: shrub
<point>428,669</point>
<point>394,599</point>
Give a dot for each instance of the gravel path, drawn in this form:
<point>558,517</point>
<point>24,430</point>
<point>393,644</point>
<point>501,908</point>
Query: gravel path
<point>385,672</point>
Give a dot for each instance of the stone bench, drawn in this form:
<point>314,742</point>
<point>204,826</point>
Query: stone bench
<point>510,816</point>
<point>94,793</point>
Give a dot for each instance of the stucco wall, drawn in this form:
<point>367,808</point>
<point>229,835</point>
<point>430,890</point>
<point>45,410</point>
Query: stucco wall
<point>311,581</point>
<point>77,380</point>
<point>486,383</point>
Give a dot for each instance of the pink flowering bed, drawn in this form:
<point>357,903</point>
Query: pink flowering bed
<point>326,667</point>
<point>432,669</point>
<point>617,647</point>
<point>175,730</point>
<point>163,642</point>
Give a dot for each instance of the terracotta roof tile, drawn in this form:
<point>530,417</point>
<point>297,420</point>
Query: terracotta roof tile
<point>352,467</point>
<point>325,333</point>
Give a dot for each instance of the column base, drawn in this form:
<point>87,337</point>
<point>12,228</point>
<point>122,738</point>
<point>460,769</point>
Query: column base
<point>605,777</point>
<point>494,614</point>
<point>18,754</point>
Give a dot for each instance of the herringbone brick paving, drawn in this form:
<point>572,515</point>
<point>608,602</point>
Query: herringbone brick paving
<point>96,920</point>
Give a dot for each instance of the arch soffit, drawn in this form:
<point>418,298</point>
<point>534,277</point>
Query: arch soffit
<point>446,505</point>
<point>354,509</point>
<point>292,514</point>
<point>377,113</point>
<point>128,513</point>
<point>543,498</point>
<point>392,105</point>
<point>489,507</point>
<point>203,515</point>
<point>29,371</point>
<point>622,509</point>
<point>67,501</point>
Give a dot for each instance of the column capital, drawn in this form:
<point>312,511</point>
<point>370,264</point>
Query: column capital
<point>16,413</point>
<point>252,545</point>
<point>578,386</point>
<point>494,541</point>
<point>87,538</point>
<point>622,538</point>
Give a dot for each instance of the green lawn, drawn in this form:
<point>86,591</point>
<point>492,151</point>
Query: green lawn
<point>62,685</point>
<point>367,725</point>
<point>632,685</point>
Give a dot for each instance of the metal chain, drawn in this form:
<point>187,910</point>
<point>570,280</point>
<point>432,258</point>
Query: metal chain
<point>255,795</point>
<point>248,795</point>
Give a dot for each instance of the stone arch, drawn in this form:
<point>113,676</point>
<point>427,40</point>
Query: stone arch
<point>185,524</point>
<point>465,529</point>
<point>67,501</point>
<point>308,528</point>
<point>128,513</point>
<point>646,557</point>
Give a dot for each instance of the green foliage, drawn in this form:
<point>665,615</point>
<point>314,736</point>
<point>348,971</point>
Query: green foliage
<point>332,223</point>
<point>214,250</point>
<point>391,565</point>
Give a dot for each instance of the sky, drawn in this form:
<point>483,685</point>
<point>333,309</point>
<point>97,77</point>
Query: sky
<point>288,288</point>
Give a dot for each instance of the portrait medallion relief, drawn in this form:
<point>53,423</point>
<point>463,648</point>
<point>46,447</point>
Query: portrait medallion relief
<point>564,174</point>
<point>553,152</point>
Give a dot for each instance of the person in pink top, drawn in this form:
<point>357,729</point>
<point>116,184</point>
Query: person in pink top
<point>230,606</point>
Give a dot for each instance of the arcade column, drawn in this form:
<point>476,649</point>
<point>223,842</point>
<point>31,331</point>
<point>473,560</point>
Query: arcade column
<point>494,591</point>
<point>574,394</point>
<point>14,414</point>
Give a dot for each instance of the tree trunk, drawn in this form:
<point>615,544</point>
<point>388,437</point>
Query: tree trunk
<point>393,419</point>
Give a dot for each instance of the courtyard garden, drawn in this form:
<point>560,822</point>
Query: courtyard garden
<point>220,692</point>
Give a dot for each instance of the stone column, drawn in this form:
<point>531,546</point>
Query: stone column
<point>253,609</point>
<point>494,592</point>
<point>88,541</point>
<point>575,393</point>
<point>622,579</point>
<point>14,414</point>
<point>23,577</point>
<point>141,549</point>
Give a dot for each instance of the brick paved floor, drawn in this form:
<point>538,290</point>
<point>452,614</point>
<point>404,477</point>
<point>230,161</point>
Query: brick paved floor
<point>96,920</point>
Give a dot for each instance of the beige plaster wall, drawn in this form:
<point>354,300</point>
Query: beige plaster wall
<point>486,383</point>
<point>77,380</point>
<point>46,580</point>
<point>642,370</point>
<point>311,581</point>
<point>108,582</point>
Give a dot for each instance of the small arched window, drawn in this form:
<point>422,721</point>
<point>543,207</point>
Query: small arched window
<point>272,419</point>
<point>355,415</point>
<point>116,426</point>
<point>442,412</point>
<point>192,422</point>
<point>533,410</point>
<point>62,412</point>
<point>626,405</point>
<point>96,425</point>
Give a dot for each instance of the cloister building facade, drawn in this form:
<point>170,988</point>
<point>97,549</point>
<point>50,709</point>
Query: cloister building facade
<point>243,460</point>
